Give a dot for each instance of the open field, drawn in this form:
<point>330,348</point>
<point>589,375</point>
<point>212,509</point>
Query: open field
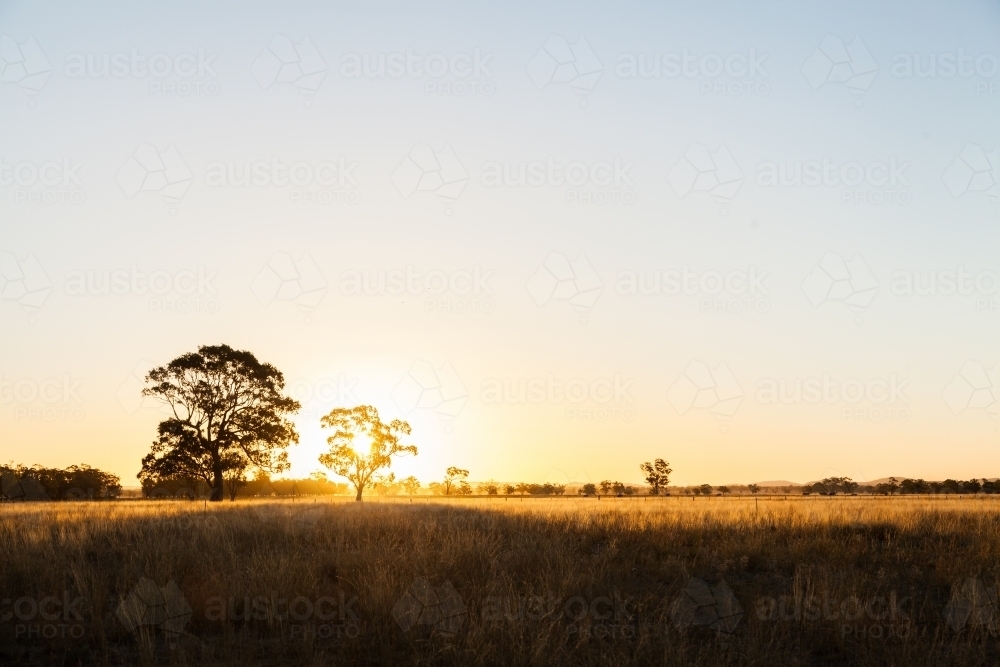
<point>675,581</point>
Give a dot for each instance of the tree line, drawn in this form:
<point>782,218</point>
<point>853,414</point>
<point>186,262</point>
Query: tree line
<point>76,482</point>
<point>229,416</point>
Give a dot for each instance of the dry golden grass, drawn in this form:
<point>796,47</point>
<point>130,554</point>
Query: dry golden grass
<point>518,582</point>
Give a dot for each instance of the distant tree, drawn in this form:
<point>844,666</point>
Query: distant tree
<point>618,488</point>
<point>234,473</point>
<point>362,470</point>
<point>888,488</point>
<point>386,485</point>
<point>588,490</point>
<point>754,488</point>
<point>437,488</point>
<point>558,489</point>
<point>411,484</point>
<point>724,490</point>
<point>489,488</point>
<point>657,475</point>
<point>606,486</point>
<point>453,479</point>
<point>706,489</point>
<point>629,490</point>
<point>225,405</point>
<point>951,486</point>
<point>972,486</point>
<point>911,486</point>
<point>509,489</point>
<point>834,485</point>
<point>522,488</point>
<point>77,482</point>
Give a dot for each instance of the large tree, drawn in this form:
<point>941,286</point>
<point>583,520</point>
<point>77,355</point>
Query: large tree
<point>228,413</point>
<point>361,469</point>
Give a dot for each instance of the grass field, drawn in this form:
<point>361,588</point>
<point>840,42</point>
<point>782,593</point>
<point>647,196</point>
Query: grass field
<point>673,581</point>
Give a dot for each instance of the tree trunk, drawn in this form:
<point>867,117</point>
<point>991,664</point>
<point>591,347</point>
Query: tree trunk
<point>358,497</point>
<point>218,481</point>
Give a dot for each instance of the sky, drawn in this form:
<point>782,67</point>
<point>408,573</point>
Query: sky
<point>758,241</point>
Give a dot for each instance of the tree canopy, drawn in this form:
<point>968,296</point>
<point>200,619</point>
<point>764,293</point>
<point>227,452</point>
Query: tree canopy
<point>228,413</point>
<point>359,468</point>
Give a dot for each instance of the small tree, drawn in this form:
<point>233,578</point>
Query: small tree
<point>360,469</point>
<point>234,473</point>
<point>657,475</point>
<point>606,486</point>
<point>386,485</point>
<point>706,489</point>
<point>754,488</point>
<point>509,489</point>
<point>454,478</point>
<point>724,490</point>
<point>489,488</point>
<point>522,488</point>
<point>618,488</point>
<point>411,484</point>
<point>588,490</point>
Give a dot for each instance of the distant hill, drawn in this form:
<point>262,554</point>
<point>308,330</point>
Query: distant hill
<point>778,482</point>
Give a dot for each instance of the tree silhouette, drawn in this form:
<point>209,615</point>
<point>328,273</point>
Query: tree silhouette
<point>227,409</point>
<point>411,484</point>
<point>454,480</point>
<point>657,475</point>
<point>362,470</point>
<point>234,473</point>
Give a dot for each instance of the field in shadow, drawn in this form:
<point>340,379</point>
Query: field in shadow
<point>838,581</point>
